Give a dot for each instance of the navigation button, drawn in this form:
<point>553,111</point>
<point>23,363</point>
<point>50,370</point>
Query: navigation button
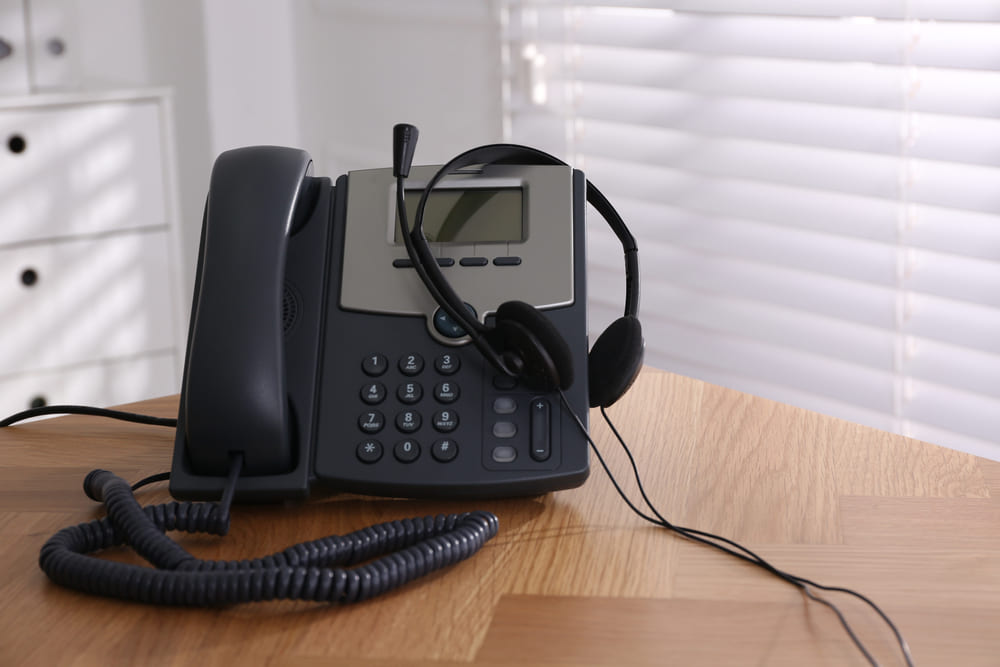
<point>447,326</point>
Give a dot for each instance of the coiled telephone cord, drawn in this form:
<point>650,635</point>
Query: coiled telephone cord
<point>406,550</point>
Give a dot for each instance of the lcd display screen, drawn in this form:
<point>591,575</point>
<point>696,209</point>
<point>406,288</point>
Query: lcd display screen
<point>474,215</point>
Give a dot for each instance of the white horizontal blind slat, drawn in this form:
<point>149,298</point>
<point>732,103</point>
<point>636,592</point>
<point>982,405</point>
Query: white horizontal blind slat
<point>971,45</point>
<point>942,10</point>
<point>857,84</point>
<point>813,188</point>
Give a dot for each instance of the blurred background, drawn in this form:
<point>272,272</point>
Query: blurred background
<point>814,186</point>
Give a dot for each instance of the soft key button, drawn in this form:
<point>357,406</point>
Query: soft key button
<point>504,454</point>
<point>504,405</point>
<point>504,429</point>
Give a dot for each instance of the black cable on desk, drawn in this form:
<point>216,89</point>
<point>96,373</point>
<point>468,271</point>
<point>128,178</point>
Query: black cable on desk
<point>403,550</point>
<point>734,548</point>
<point>87,410</point>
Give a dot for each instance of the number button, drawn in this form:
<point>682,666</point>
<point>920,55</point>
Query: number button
<point>444,450</point>
<point>447,364</point>
<point>369,451</point>
<point>446,392</point>
<point>409,392</point>
<point>406,451</point>
<point>373,393</point>
<point>446,421</point>
<point>411,364</point>
<point>375,364</point>
<point>371,422</point>
<point>408,421</point>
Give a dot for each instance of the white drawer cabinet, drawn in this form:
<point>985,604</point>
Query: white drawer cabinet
<point>90,296</point>
<point>70,302</point>
<point>98,383</point>
<point>80,169</point>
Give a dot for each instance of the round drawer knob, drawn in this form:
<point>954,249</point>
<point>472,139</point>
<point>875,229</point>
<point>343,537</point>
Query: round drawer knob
<point>55,46</point>
<point>16,143</point>
<point>29,277</point>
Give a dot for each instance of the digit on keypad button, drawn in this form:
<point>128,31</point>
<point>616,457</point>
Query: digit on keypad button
<point>408,421</point>
<point>411,364</point>
<point>371,422</point>
<point>446,421</point>
<point>447,364</point>
<point>406,450</point>
<point>375,364</point>
<point>373,393</point>
<point>446,392</point>
<point>409,392</point>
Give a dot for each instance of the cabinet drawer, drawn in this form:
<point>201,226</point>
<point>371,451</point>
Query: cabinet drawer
<point>98,384</point>
<point>79,301</point>
<point>80,169</point>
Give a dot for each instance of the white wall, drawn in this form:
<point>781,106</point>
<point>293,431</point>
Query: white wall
<point>365,65</point>
<point>328,76</point>
<point>123,43</point>
<point>250,65</point>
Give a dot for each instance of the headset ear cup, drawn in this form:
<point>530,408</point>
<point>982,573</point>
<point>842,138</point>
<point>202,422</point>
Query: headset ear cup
<point>615,361</point>
<point>525,332</point>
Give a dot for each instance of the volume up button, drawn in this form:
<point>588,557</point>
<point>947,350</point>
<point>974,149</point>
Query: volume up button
<point>541,427</point>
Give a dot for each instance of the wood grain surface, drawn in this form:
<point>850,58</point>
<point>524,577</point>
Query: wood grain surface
<point>573,578</point>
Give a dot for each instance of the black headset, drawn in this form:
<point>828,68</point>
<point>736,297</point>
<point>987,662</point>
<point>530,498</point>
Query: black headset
<point>522,343</point>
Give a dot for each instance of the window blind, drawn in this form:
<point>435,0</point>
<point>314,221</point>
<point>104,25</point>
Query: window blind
<point>815,188</point>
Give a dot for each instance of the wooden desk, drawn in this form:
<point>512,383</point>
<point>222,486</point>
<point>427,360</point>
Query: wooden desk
<point>572,578</point>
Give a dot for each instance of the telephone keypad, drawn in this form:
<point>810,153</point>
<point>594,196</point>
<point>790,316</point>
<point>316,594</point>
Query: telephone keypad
<point>415,410</point>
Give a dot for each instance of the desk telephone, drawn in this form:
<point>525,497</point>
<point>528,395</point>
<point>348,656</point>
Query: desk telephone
<point>328,347</point>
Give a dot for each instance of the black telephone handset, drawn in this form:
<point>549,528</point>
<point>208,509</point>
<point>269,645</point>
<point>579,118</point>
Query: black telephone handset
<point>235,395</point>
<point>248,219</point>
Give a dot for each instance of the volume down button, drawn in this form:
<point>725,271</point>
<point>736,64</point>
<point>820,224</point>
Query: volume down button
<point>540,429</point>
